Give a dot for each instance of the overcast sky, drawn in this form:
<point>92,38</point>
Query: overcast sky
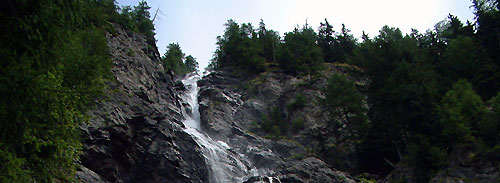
<point>195,24</point>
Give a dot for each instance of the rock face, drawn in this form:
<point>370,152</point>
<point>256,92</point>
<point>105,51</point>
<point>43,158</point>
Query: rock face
<point>465,166</point>
<point>136,133</point>
<point>232,108</point>
<point>313,170</point>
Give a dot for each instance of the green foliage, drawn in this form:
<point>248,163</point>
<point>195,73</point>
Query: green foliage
<point>191,63</point>
<point>421,108</point>
<point>299,53</point>
<point>460,112</point>
<point>250,51</point>
<point>240,48</point>
<point>176,61</point>
<point>461,60</point>
<point>487,36</point>
<point>489,129</point>
<point>298,124</point>
<point>142,19</point>
<point>12,168</point>
<point>335,47</point>
<point>266,124</point>
<point>401,94</point>
<point>269,41</point>
<point>173,58</point>
<point>405,89</point>
<point>126,19</point>
<point>131,52</point>
<point>300,101</point>
<point>345,104</point>
<point>137,19</point>
<point>275,123</point>
<point>54,64</point>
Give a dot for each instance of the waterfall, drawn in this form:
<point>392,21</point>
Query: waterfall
<point>224,165</point>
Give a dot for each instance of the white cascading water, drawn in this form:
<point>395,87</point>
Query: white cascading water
<point>224,166</point>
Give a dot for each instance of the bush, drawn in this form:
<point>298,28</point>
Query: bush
<point>299,102</point>
<point>11,168</point>
<point>130,52</point>
<point>274,124</point>
<point>460,112</point>
<point>298,124</point>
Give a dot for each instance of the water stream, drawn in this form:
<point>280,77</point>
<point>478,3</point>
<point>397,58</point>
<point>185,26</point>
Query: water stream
<point>224,165</point>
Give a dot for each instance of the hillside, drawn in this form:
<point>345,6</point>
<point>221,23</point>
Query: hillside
<point>87,97</point>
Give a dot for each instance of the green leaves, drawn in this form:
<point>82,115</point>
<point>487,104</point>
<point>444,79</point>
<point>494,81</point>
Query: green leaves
<point>346,106</point>
<point>299,53</point>
<point>56,66</point>
<point>137,19</point>
<point>460,112</point>
<point>175,60</point>
<point>240,47</point>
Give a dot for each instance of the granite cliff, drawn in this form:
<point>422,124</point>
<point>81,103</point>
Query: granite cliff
<point>136,133</point>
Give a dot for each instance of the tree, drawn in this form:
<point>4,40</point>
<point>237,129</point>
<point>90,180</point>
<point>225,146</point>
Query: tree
<point>299,53</point>
<point>269,41</point>
<point>460,113</point>
<point>191,63</point>
<point>327,42</point>
<point>346,44</point>
<point>142,19</point>
<point>489,128</point>
<point>488,37</point>
<point>173,59</point>
<point>136,19</point>
<point>461,60</point>
<point>346,106</point>
<point>401,95</point>
<point>239,47</point>
<point>55,62</point>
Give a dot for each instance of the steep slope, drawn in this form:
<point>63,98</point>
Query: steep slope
<point>136,133</point>
<point>232,110</point>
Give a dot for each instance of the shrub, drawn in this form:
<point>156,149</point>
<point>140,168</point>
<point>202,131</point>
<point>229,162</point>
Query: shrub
<point>131,52</point>
<point>274,123</point>
<point>299,102</point>
<point>298,124</point>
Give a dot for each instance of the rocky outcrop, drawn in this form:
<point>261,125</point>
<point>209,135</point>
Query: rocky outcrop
<point>135,134</point>
<point>232,110</point>
<point>467,166</point>
<point>313,170</point>
<point>467,173</point>
<point>464,166</point>
<point>309,170</point>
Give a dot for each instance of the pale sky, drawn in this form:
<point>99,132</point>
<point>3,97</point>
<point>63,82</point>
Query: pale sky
<point>195,24</point>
